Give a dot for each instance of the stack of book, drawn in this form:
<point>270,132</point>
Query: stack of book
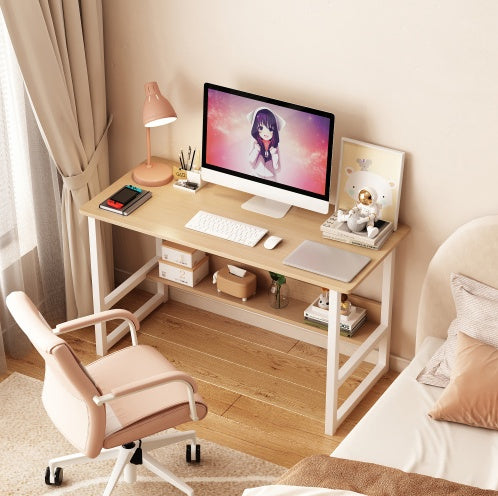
<point>339,231</point>
<point>349,324</point>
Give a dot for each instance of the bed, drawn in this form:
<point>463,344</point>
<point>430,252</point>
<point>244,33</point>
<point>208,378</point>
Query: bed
<point>435,430</point>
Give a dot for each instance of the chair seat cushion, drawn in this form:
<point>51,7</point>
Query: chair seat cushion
<point>143,413</point>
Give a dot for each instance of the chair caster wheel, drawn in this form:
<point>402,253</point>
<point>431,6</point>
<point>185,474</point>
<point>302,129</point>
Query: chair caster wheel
<point>57,477</point>
<point>188,453</point>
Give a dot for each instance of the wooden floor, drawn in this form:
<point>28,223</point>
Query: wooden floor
<point>265,392</point>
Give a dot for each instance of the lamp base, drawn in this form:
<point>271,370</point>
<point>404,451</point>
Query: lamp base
<point>155,174</point>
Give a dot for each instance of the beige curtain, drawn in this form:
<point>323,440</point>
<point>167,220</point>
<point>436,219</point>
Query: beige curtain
<point>60,49</point>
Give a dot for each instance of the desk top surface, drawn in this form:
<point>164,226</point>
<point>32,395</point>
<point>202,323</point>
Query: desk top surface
<point>166,213</point>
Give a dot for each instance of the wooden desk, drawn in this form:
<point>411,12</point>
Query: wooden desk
<point>164,217</point>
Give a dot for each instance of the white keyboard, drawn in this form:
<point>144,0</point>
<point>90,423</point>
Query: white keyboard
<point>225,228</point>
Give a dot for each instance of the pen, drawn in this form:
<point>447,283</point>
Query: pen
<point>192,162</point>
<point>183,161</point>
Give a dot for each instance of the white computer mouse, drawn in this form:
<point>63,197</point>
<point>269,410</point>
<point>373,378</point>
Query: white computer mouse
<point>271,242</point>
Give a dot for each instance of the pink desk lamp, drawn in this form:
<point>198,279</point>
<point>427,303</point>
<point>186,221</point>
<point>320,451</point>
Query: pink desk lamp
<point>157,112</point>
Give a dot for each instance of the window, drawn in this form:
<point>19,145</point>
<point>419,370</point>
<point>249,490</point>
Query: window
<point>16,199</point>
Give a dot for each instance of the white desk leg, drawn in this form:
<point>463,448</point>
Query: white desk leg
<point>98,289</point>
<point>386,309</point>
<point>332,383</point>
<point>161,289</point>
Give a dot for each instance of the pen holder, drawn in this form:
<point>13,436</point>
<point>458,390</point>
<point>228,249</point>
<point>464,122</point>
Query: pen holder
<point>194,176</point>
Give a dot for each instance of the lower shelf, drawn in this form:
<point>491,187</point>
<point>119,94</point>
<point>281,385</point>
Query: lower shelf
<point>292,314</point>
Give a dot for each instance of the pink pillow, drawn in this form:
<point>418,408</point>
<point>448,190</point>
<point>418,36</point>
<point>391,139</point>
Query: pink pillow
<point>472,395</point>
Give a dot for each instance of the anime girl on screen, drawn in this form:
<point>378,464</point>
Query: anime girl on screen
<point>264,155</point>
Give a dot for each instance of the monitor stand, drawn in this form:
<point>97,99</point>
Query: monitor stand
<point>265,206</point>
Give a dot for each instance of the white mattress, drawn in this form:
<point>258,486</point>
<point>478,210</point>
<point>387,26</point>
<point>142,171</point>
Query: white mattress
<point>397,432</point>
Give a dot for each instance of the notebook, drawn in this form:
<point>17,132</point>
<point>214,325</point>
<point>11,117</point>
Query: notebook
<point>327,260</point>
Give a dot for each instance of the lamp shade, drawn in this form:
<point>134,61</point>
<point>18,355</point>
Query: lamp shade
<point>156,112</point>
<point>157,109</point>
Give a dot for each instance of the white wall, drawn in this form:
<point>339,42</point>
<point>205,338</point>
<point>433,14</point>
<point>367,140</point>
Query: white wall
<point>419,76</point>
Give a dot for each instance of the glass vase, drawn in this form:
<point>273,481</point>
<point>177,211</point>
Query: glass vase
<point>278,295</point>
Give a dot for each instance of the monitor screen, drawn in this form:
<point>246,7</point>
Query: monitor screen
<point>276,150</point>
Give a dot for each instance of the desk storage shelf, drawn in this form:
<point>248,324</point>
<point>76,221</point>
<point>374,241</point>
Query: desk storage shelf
<point>292,314</point>
<point>164,216</point>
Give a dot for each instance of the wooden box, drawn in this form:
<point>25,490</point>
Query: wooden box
<point>240,287</point>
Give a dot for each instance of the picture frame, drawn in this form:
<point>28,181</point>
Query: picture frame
<point>365,164</point>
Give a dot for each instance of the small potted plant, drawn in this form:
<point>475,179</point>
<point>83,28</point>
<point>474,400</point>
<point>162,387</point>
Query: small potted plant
<point>278,294</point>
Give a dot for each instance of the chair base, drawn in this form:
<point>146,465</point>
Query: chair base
<point>123,455</point>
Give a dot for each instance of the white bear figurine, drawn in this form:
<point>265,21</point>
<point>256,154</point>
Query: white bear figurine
<point>323,300</point>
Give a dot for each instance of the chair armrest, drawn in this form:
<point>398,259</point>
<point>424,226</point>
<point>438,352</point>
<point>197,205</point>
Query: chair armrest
<point>151,382</point>
<point>96,318</point>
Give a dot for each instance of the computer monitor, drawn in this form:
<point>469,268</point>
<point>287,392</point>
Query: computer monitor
<point>279,151</point>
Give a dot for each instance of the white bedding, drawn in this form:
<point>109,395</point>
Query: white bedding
<point>397,432</point>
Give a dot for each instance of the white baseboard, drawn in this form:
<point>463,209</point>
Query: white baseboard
<point>398,364</point>
<point>249,317</point>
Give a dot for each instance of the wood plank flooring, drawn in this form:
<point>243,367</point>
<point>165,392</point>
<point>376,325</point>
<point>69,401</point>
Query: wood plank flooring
<point>265,392</point>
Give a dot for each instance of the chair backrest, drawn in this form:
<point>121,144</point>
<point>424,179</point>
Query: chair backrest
<point>472,250</point>
<point>67,388</point>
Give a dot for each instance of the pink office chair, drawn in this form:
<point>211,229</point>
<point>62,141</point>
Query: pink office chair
<point>107,408</point>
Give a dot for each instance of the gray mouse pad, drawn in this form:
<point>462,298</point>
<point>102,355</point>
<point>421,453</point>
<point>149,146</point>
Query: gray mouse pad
<point>327,260</point>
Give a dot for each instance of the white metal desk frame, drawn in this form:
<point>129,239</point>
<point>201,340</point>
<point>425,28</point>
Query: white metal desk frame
<point>380,337</point>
